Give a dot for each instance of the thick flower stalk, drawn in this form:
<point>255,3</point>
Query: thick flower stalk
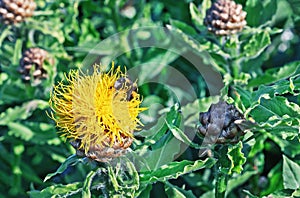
<point>97,112</point>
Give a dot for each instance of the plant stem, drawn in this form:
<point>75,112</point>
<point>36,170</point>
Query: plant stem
<point>222,172</point>
<point>236,69</point>
<point>221,183</point>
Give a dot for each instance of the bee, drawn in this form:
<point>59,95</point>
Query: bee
<point>127,84</point>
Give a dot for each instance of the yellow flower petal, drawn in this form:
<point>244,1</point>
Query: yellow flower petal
<point>89,108</point>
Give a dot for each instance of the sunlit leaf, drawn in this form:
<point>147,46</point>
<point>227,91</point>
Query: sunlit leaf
<point>57,190</point>
<point>22,112</point>
<point>175,169</point>
<point>236,157</point>
<point>179,134</point>
<point>275,74</point>
<point>291,174</point>
<point>198,15</point>
<point>256,45</point>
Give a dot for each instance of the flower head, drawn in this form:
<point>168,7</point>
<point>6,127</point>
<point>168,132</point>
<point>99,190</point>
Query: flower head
<point>97,110</point>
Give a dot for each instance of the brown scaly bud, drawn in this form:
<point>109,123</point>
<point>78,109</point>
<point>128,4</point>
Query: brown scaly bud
<point>15,11</point>
<point>225,17</point>
<point>221,124</point>
<point>106,152</point>
<point>31,64</point>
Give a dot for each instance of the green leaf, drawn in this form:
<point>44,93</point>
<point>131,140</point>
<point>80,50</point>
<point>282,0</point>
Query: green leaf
<point>254,9</point>
<point>86,192</point>
<point>200,48</point>
<point>206,4</point>
<point>154,62</point>
<point>5,33</point>
<point>179,134</point>
<point>239,181</point>
<point>284,130</point>
<point>294,4</point>
<point>291,174</point>
<point>70,161</point>
<point>260,12</point>
<point>258,146</point>
<point>164,152</point>
<point>275,74</point>
<point>57,190</point>
<point>270,8</point>
<point>256,45</point>
<point>155,132</point>
<point>35,132</point>
<point>167,147</point>
<point>124,179</point>
<point>22,112</point>
<point>145,191</point>
<point>208,194</point>
<point>236,157</point>
<point>12,92</point>
<point>184,27</point>
<point>48,28</point>
<point>285,193</point>
<point>275,180</point>
<point>290,148</point>
<point>12,114</point>
<point>176,192</point>
<point>273,109</point>
<point>197,17</point>
<point>280,87</point>
<point>20,130</point>
<point>245,96</point>
<point>175,169</point>
<point>17,52</point>
<point>250,195</point>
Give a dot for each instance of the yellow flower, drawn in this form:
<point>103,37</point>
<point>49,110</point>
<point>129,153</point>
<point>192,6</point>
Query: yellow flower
<point>94,110</point>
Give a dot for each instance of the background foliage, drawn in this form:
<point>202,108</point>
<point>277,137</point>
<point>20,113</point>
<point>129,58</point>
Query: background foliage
<point>259,67</point>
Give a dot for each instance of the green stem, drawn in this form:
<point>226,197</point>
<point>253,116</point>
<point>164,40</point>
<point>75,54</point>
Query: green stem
<point>221,183</point>
<point>235,69</point>
<point>222,171</point>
